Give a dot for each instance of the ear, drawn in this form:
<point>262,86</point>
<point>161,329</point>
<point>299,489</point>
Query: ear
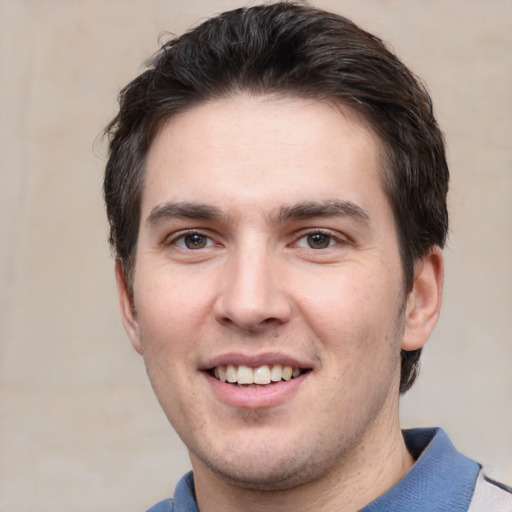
<point>128,312</point>
<point>424,300</point>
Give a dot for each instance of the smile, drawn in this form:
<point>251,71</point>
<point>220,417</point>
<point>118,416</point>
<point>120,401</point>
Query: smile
<point>260,375</point>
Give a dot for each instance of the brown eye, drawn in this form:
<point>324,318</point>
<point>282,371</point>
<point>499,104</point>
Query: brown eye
<point>319,241</point>
<point>195,241</point>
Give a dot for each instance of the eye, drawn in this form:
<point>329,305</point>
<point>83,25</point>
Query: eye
<point>193,241</point>
<point>317,240</point>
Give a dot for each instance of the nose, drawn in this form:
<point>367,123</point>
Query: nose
<point>252,296</point>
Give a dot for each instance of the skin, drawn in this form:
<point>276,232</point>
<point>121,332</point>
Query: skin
<point>265,235</point>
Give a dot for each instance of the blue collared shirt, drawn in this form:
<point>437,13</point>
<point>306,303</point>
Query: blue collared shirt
<point>442,479</point>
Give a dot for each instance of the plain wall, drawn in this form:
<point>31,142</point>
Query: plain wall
<point>79,426</point>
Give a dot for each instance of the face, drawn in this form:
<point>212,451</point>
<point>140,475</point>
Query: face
<point>268,288</point>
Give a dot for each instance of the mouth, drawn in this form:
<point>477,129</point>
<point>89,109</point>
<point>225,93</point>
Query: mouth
<point>260,376</point>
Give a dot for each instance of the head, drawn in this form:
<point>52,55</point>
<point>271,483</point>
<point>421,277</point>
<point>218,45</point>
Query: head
<point>276,191</point>
<point>291,51</point>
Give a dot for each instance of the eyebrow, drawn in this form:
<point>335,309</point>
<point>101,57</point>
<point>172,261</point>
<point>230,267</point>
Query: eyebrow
<point>298,211</point>
<point>329,208</point>
<point>184,210</point>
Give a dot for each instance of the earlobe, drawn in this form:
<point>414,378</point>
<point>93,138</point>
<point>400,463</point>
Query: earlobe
<point>128,312</point>
<point>424,300</point>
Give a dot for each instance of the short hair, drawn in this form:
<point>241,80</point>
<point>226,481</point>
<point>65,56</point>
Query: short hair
<point>295,50</point>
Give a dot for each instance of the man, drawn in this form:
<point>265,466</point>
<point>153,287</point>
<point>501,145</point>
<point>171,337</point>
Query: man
<point>276,190</point>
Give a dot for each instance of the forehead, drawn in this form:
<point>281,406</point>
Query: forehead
<point>262,150</point>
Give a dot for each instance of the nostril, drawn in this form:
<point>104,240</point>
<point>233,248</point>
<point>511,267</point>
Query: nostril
<point>250,320</point>
<point>249,299</point>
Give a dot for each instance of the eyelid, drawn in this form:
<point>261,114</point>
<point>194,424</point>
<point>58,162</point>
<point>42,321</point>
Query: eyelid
<point>172,239</point>
<point>338,237</point>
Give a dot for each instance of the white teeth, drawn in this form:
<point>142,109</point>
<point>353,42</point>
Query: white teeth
<point>245,375</point>
<point>222,373</point>
<point>231,374</point>
<point>287,373</point>
<point>261,375</point>
<point>277,373</point>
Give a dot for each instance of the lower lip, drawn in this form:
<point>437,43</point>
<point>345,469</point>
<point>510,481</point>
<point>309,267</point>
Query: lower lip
<point>255,398</point>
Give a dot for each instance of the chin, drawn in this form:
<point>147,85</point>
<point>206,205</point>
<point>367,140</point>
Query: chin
<point>264,480</point>
<point>267,472</point>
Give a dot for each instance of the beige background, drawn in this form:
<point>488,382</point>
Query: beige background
<point>79,426</point>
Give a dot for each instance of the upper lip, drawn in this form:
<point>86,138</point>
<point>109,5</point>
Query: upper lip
<point>255,360</point>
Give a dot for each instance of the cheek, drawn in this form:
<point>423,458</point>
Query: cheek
<point>338,299</point>
<point>355,313</point>
<point>169,315</point>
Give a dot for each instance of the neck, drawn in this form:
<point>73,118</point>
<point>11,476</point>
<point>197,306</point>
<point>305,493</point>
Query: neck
<point>372,469</point>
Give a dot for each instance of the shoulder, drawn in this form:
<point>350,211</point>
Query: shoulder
<point>163,506</point>
<point>490,496</point>
<point>183,499</point>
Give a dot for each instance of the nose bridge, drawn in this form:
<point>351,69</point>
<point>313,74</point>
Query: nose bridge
<point>251,295</point>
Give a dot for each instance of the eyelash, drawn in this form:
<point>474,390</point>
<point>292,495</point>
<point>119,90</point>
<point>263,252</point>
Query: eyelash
<point>333,239</point>
<point>181,237</point>
<point>180,240</point>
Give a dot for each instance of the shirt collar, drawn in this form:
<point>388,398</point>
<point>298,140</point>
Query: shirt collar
<point>441,479</point>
